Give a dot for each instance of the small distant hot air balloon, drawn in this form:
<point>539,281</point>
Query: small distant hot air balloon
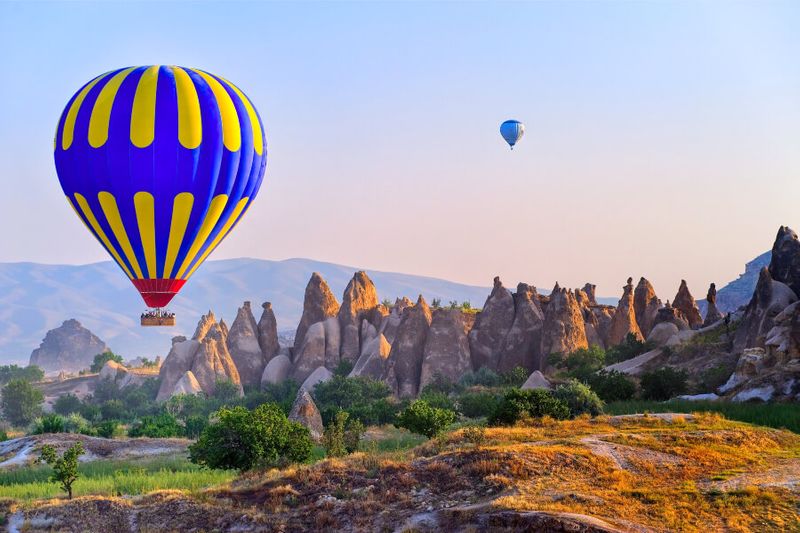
<point>160,163</point>
<point>512,131</point>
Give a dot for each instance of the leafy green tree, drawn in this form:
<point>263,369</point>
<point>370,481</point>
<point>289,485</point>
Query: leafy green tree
<point>195,425</point>
<point>343,368</point>
<point>113,410</point>
<point>612,386</point>
<point>536,403</point>
<point>438,399</point>
<point>343,435</point>
<point>162,425</point>
<point>65,468</point>
<point>30,373</point>
<point>226,392</point>
<point>66,404</point>
<point>664,383</point>
<point>436,303</point>
<point>477,403</point>
<point>21,402</point>
<point>360,396</point>
<point>579,398</point>
<point>581,363</point>
<point>442,384</point>
<point>283,394</point>
<point>49,424</point>
<point>515,377</point>
<point>419,417</point>
<point>106,429</point>
<point>102,358</point>
<point>242,439</point>
<point>627,349</point>
<point>483,377</point>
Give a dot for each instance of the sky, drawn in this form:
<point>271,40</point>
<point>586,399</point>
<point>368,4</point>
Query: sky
<point>662,138</point>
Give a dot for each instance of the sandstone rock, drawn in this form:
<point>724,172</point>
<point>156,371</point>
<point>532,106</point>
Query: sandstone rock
<point>662,333</point>
<point>491,327</point>
<point>563,330</point>
<point>179,360</point>
<point>311,352</point>
<point>319,304</point>
<point>624,321</point>
<point>359,298</point>
<point>111,369</point>
<point>187,385</point>
<point>373,360</point>
<point>712,313</point>
<point>304,411</point>
<point>408,348</point>
<point>685,303</point>
<point>645,305</point>
<point>268,332</point>
<point>671,315</point>
<point>69,347</point>
<point>392,320</point>
<point>446,351</point>
<point>277,370</point>
<point>536,381</point>
<point>589,289</point>
<point>769,299</point>
<point>522,343</point>
<point>602,317</point>
<point>213,363</point>
<point>244,348</point>
<point>205,323</point>
<point>785,263</point>
<point>319,375</point>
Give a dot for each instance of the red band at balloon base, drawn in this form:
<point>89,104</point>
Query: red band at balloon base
<point>158,292</point>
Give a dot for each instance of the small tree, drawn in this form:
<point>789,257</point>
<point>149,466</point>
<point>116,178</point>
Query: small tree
<point>419,417</point>
<point>102,358</point>
<point>66,404</point>
<point>65,468</point>
<point>664,383</point>
<point>161,426</point>
<point>49,424</point>
<point>612,386</point>
<point>21,402</point>
<point>343,435</point>
<point>226,391</point>
<point>518,403</point>
<point>579,398</point>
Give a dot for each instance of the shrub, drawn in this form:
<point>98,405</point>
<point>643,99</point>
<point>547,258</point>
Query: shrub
<point>21,402</point>
<point>440,383</point>
<point>102,358</point>
<point>419,417</point>
<point>515,377</point>
<point>113,410</point>
<point>343,368</point>
<point>226,392</point>
<point>438,399</point>
<point>66,404</point>
<point>3,436</point>
<point>342,435</point>
<point>49,424</point>
<point>359,396</point>
<point>714,377</point>
<point>663,384</point>
<point>579,398</point>
<point>475,404</point>
<point>612,386</point>
<point>242,439</point>
<point>163,426</point>
<point>30,373</point>
<point>106,429</point>
<point>195,425</point>
<point>627,349</point>
<point>475,435</point>
<point>75,423</point>
<point>65,468</point>
<point>581,363</point>
<point>483,376</point>
<point>536,403</point>
<point>283,394</point>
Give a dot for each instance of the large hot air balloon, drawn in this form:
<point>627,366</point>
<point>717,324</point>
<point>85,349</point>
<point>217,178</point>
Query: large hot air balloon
<point>160,163</point>
<point>512,131</point>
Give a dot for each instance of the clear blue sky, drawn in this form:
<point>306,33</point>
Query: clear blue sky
<point>663,138</point>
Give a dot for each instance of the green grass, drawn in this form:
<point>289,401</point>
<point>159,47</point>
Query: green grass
<point>775,415</point>
<point>110,478</point>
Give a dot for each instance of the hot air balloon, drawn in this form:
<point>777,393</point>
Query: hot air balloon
<point>160,163</point>
<point>512,131</point>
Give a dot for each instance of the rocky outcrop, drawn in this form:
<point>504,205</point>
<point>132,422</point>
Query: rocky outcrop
<point>671,315</point>
<point>491,327</point>
<point>319,304</point>
<point>601,321</point>
<point>69,347</point>
<point>408,348</point>
<point>712,313</point>
<point>563,330</point>
<point>374,357</point>
<point>785,263</point>
<point>360,297</point>
<point>120,375</point>
<point>536,381</point>
<point>684,302</point>
<point>645,305</point>
<point>446,351</point>
<point>662,333</point>
<point>319,375</point>
<point>320,347</point>
<point>624,321</point>
<point>268,332</point>
<point>589,290</point>
<point>277,370</point>
<point>391,321</point>
<point>187,385</point>
<point>522,344</point>
<point>769,299</point>
<point>244,347</point>
<point>304,411</point>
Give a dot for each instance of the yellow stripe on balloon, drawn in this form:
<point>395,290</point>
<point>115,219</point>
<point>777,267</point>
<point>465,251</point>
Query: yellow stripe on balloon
<point>146,219</point>
<point>87,212</point>
<point>231,130</point>
<point>109,205</point>
<point>72,114</point>
<point>221,235</point>
<point>181,210</point>
<point>143,114</point>
<point>212,216</point>
<point>190,123</point>
<point>101,113</point>
<point>258,139</point>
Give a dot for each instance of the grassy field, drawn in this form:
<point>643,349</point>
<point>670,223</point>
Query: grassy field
<point>775,415</point>
<point>111,478</point>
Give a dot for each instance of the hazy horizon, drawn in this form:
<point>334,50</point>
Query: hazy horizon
<point>661,138</point>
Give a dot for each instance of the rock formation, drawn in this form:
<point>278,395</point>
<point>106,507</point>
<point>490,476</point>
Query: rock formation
<point>645,305</point>
<point>522,343</point>
<point>536,381</point>
<point>408,348</point>
<point>785,263</point>
<point>319,304</point>
<point>304,411</point>
<point>392,320</point>
<point>359,298</point>
<point>243,345</point>
<point>589,289</point>
<point>671,315</point>
<point>491,327</point>
<point>187,385</point>
<point>624,321</point>
<point>319,375</point>
<point>563,330</point>
<point>277,370</point>
<point>69,347</point>
<point>268,332</point>
<point>684,302</point>
<point>769,299</point>
<point>446,351</point>
<point>712,313</point>
<point>320,347</point>
<point>374,357</point>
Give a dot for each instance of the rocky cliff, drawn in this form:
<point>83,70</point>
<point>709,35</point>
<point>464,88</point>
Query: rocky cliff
<point>68,348</point>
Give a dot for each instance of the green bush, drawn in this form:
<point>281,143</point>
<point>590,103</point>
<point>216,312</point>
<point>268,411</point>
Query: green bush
<point>65,468</point>
<point>579,398</point>
<point>419,417</point>
<point>483,376</point>
<point>242,439</point>
<point>163,426</point>
<point>66,404</point>
<point>517,404</point>
<point>612,386</point>
<point>101,359</point>
<point>226,392</point>
<point>75,423</point>
<point>30,373</point>
<point>343,368</point>
<point>627,349</point>
<point>365,399</point>
<point>113,410</point>
<point>713,378</point>
<point>21,402</point>
<point>195,425</point>
<point>663,384</point>
<point>343,435</point>
<point>515,377</point>
<point>477,403</point>
<point>438,399</point>
<point>283,394</point>
<point>441,384</point>
<point>106,429</point>
<point>49,424</point>
<point>581,363</point>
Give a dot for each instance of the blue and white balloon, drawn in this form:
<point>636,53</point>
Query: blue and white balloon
<point>512,131</point>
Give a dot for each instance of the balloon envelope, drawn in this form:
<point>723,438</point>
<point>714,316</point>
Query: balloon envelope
<point>512,131</point>
<point>160,163</point>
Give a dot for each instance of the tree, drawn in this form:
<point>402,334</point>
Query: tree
<point>419,417</point>
<point>242,439</point>
<point>627,349</point>
<point>518,403</point>
<point>515,377</point>
<point>663,384</point>
<point>342,435</point>
<point>226,392</point>
<point>65,468</point>
<point>102,358</point>
<point>50,424</point>
<point>66,404</point>
<point>364,398</point>
<point>30,373</point>
<point>581,363</point>
<point>163,425</point>
<point>612,386</point>
<point>21,402</point>
<point>579,398</point>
